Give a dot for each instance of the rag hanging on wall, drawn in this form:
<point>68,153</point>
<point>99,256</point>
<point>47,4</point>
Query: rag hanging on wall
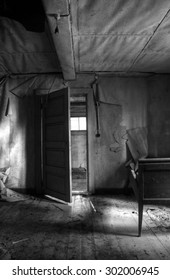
<point>95,89</point>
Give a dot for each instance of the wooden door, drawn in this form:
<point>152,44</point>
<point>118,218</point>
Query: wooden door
<point>56,145</point>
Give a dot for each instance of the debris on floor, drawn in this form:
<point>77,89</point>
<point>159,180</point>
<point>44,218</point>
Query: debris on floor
<point>18,241</point>
<point>9,195</point>
<point>4,172</point>
<point>4,254</point>
<point>13,196</point>
<point>160,215</point>
<point>2,189</point>
<point>134,212</point>
<point>94,209</point>
<point>36,229</point>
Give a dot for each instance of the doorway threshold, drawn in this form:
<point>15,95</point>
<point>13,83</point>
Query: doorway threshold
<point>80,193</point>
<point>56,199</point>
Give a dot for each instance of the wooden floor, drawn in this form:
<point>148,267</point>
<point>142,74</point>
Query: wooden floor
<point>94,227</point>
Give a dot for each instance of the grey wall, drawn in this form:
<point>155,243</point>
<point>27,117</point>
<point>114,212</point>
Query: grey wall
<point>127,109</point>
<point>21,145</point>
<point>134,104</point>
<point>17,141</point>
<point>129,113</point>
<point>159,116</point>
<point>4,130</point>
<point>4,142</point>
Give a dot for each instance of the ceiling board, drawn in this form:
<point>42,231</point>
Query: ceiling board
<point>118,55</point>
<point>22,51</point>
<point>113,35</point>
<point>119,16</point>
<point>153,62</point>
<point>99,35</point>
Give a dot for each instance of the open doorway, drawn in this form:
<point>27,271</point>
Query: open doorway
<point>79,143</point>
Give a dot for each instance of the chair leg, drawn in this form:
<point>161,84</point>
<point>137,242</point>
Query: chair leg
<point>140,216</point>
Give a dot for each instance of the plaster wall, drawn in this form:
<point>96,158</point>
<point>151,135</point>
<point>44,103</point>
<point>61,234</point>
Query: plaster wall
<point>17,140</point>
<point>4,130</point>
<point>123,107</point>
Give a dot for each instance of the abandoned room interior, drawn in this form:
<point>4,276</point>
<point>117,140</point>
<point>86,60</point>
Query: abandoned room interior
<point>84,129</point>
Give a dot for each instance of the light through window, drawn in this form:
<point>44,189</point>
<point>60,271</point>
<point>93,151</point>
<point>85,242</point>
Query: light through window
<point>78,123</point>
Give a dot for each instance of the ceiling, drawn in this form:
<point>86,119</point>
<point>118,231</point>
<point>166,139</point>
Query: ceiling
<point>119,35</point>
<point>86,36</point>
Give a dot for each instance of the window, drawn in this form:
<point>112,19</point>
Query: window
<point>78,123</point>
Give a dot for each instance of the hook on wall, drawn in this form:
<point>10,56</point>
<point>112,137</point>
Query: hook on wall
<point>57,17</point>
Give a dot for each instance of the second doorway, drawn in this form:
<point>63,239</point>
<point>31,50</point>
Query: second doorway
<point>79,143</point>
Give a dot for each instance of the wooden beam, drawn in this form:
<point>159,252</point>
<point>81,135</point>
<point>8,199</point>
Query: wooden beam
<point>58,16</point>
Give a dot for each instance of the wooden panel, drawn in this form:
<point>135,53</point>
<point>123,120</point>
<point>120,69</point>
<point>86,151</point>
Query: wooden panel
<point>55,107</point>
<point>156,167</point>
<point>155,178</point>
<point>156,184</point>
<point>155,160</point>
<point>54,145</point>
<point>55,133</point>
<point>52,181</point>
<point>54,119</point>
<point>55,158</point>
<point>56,170</point>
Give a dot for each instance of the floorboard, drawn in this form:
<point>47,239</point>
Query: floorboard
<point>91,227</point>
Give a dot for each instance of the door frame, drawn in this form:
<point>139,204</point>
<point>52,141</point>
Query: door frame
<point>90,143</point>
<point>87,167</point>
<point>38,145</point>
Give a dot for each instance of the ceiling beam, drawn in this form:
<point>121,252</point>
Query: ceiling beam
<point>58,16</point>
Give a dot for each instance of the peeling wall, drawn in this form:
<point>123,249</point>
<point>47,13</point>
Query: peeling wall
<point>21,143</point>
<point>129,112</point>
<point>4,143</point>
<point>4,131</point>
<point>17,140</point>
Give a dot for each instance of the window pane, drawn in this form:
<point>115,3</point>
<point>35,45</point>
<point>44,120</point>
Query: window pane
<point>78,123</point>
<point>74,124</point>
<point>82,122</point>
